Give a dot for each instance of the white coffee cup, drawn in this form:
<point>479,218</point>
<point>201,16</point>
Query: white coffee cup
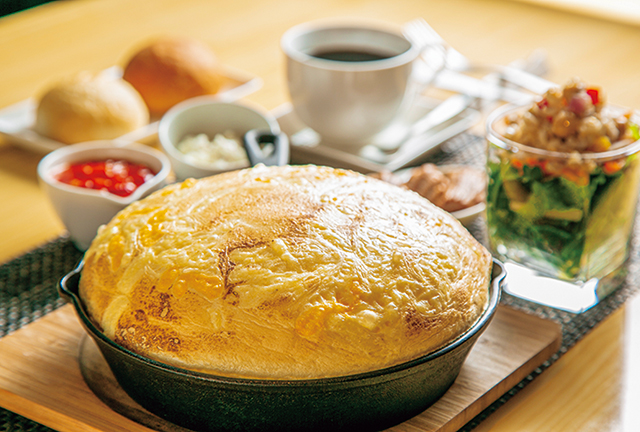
<point>349,100</point>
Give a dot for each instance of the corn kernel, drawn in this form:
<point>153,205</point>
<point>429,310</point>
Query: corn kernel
<point>166,280</point>
<point>311,322</point>
<point>131,212</point>
<point>188,183</point>
<point>151,232</point>
<point>350,298</point>
<point>210,287</point>
<point>179,288</point>
<point>601,144</point>
<point>115,250</point>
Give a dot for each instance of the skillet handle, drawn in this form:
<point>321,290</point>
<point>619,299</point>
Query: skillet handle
<point>253,141</point>
<point>68,285</point>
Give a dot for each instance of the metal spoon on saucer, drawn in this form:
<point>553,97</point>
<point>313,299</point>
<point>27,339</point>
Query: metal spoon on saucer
<point>394,136</point>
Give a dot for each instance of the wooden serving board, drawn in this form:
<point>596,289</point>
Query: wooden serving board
<point>42,365</point>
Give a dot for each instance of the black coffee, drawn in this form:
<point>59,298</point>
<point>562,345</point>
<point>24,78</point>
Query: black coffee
<point>347,55</point>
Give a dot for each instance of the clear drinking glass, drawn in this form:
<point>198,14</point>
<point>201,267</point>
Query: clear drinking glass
<point>561,221</point>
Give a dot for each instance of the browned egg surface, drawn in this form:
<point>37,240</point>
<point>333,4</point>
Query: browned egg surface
<point>284,273</point>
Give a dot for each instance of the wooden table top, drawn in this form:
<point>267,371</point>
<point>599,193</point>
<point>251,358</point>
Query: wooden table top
<point>593,386</point>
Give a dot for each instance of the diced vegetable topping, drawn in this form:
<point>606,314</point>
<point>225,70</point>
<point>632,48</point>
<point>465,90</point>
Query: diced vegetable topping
<point>118,177</point>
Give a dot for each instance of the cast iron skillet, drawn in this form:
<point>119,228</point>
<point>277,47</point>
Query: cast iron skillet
<point>363,402</point>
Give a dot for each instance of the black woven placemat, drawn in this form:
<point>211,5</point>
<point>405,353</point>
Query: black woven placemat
<point>28,290</point>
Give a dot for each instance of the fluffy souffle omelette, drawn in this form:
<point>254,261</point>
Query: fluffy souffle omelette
<point>284,273</point>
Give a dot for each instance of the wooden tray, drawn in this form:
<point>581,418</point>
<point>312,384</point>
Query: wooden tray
<point>41,376</point>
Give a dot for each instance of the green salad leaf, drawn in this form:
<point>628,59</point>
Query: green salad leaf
<point>547,215</point>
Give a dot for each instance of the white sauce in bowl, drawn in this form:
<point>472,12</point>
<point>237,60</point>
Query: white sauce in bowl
<point>220,152</point>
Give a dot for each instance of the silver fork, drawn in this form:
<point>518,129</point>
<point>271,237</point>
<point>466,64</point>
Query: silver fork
<point>433,46</point>
<point>444,56</point>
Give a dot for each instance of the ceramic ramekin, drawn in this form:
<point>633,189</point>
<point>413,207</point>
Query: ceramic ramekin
<point>83,210</point>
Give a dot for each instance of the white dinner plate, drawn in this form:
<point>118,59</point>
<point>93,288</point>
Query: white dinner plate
<point>17,120</point>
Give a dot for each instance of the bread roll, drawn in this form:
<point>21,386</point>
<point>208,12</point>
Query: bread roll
<point>284,273</point>
<point>171,70</point>
<point>87,107</point>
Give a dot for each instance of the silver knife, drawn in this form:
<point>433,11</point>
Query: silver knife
<point>461,83</point>
<point>526,80</point>
<point>446,110</point>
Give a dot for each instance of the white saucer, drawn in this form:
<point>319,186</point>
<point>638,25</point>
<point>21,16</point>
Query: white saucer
<point>307,145</point>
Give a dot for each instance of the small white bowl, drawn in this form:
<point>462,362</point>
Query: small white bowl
<point>211,117</point>
<point>83,210</point>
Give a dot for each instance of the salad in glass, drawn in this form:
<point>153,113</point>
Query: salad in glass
<point>563,183</point>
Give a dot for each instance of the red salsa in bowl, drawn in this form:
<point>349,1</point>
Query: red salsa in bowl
<point>89,183</point>
<point>118,177</point>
